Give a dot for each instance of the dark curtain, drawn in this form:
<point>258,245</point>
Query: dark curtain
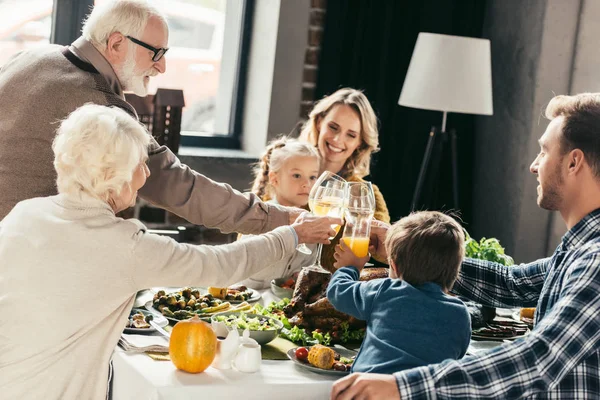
<point>368,45</point>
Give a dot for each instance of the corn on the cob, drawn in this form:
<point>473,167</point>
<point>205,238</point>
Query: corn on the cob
<point>218,293</point>
<point>321,357</point>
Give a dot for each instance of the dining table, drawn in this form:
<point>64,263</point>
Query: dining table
<point>138,376</point>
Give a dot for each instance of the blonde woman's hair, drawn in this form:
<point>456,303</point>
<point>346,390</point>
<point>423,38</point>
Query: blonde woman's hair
<point>359,162</point>
<point>96,151</point>
<point>129,17</point>
<point>276,154</point>
<point>427,246</point>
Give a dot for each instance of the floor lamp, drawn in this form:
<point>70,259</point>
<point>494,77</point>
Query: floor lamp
<point>447,74</point>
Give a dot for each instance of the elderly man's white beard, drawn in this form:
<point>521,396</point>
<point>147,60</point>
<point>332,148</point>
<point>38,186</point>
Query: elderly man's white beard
<point>131,80</point>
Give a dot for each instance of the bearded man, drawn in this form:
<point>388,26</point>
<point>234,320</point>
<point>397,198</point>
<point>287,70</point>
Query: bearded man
<point>122,46</point>
<point>560,357</point>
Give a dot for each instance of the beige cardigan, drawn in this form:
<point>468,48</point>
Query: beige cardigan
<point>41,86</point>
<point>69,271</point>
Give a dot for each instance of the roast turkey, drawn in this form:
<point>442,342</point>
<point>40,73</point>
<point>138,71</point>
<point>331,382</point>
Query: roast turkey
<point>309,307</point>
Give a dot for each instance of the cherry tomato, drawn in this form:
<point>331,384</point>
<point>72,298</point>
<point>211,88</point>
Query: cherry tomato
<point>302,353</point>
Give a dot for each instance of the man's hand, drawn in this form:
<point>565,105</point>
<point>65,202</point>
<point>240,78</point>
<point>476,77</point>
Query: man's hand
<point>344,257</point>
<point>377,244</point>
<point>313,229</point>
<point>294,213</point>
<point>365,386</point>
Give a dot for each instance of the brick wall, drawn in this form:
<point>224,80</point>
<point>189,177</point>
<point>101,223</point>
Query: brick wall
<point>311,59</point>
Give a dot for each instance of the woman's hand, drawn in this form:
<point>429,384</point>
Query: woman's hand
<point>365,386</point>
<point>313,229</point>
<point>344,257</point>
<point>377,243</point>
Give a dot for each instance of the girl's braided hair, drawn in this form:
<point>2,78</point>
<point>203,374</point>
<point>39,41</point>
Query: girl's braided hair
<point>276,154</point>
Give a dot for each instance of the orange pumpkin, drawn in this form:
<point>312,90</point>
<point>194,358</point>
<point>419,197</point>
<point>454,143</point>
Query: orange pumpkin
<point>193,345</point>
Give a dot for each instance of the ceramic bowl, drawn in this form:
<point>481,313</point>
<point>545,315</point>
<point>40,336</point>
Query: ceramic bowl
<point>279,291</point>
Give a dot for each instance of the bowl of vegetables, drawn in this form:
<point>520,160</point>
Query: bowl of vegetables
<point>283,287</point>
<point>262,329</point>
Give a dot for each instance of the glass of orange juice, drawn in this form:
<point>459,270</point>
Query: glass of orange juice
<point>359,210</point>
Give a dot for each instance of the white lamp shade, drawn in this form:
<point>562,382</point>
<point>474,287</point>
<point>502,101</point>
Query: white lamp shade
<point>449,73</point>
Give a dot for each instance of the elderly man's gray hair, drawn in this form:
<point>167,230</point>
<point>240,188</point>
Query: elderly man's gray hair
<point>129,17</point>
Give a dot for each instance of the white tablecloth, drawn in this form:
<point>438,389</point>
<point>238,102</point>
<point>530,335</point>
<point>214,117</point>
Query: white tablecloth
<point>137,376</point>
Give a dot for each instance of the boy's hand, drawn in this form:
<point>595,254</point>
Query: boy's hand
<point>344,257</point>
<point>378,233</point>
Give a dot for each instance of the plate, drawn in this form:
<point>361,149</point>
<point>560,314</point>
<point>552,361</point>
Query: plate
<point>517,317</point>
<point>254,296</point>
<point>520,326</point>
<point>159,319</point>
<point>291,353</point>
<point>205,318</point>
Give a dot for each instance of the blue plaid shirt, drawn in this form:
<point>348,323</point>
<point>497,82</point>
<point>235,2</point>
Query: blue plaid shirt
<point>560,358</point>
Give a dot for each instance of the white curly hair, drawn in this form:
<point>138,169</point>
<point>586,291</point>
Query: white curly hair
<point>96,151</point>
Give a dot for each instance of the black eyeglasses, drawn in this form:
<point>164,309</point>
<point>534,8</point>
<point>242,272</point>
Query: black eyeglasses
<point>158,53</point>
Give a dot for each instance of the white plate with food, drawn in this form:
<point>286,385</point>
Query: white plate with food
<point>344,358</point>
<point>234,294</point>
<point>138,323</point>
<point>187,302</point>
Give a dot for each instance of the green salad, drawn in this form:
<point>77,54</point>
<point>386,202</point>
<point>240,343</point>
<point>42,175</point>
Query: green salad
<point>486,249</point>
<point>243,321</point>
<point>300,335</point>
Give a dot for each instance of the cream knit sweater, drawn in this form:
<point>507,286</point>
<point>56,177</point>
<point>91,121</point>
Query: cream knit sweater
<point>69,271</point>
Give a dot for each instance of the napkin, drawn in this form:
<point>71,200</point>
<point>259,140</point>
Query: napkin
<point>143,343</point>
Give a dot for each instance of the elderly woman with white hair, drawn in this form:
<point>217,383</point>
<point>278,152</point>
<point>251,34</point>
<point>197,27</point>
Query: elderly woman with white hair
<point>70,268</point>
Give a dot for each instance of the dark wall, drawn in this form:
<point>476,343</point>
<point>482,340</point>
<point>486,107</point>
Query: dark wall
<point>368,45</point>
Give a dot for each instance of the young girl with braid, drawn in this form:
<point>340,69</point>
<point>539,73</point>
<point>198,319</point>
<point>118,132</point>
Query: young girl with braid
<point>284,175</point>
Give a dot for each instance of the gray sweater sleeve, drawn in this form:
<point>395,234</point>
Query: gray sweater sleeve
<point>161,261</point>
<point>202,201</point>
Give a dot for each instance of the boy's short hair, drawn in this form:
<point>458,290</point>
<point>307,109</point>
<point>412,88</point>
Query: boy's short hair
<point>427,246</point>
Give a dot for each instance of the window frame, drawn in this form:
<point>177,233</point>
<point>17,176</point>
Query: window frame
<point>67,20</point>
<point>231,140</point>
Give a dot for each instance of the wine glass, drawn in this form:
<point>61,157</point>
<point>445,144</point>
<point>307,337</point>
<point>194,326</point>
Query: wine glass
<point>359,211</point>
<point>326,199</point>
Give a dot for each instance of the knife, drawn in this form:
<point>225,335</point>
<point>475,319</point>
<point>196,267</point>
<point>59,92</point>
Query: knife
<point>160,330</point>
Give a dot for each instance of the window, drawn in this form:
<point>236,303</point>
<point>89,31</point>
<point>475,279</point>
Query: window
<point>204,60</point>
<point>208,42</point>
<point>23,25</point>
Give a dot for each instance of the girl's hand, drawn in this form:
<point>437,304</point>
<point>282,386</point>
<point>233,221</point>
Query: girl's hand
<point>344,257</point>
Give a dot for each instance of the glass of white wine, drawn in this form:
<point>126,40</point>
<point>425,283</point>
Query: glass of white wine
<point>327,199</point>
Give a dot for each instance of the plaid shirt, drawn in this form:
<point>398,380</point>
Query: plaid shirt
<point>559,358</point>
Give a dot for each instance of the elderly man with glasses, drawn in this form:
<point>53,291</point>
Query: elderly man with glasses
<point>122,46</point>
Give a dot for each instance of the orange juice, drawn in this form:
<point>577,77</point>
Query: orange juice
<point>358,245</point>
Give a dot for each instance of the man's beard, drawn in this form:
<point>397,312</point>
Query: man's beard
<point>131,80</point>
<point>550,197</point>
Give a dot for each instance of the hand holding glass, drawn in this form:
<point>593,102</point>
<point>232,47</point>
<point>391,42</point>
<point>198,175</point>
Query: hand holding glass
<point>327,199</point>
<point>360,208</point>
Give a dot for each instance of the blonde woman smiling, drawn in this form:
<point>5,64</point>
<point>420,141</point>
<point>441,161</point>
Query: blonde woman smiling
<point>70,268</point>
<point>343,126</point>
